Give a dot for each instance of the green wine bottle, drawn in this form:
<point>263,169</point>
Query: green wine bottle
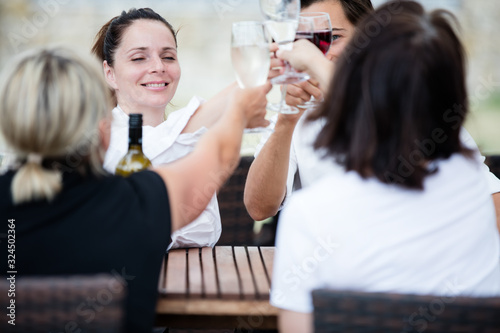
<point>134,160</point>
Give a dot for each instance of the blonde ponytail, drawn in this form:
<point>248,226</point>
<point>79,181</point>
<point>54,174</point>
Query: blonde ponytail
<point>33,182</point>
<point>51,103</point>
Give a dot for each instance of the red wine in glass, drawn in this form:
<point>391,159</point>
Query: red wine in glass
<point>321,38</point>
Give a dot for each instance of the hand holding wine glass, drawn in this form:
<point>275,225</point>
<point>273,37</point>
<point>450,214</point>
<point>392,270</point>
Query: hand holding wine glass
<point>282,22</point>
<point>308,58</point>
<point>252,101</point>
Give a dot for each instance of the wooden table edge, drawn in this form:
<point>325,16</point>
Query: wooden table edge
<point>215,307</point>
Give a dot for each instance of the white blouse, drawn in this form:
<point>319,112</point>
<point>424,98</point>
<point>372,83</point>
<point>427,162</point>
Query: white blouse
<point>346,232</point>
<point>164,144</point>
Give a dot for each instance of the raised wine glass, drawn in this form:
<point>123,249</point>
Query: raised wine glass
<point>321,37</point>
<point>283,20</point>
<point>250,57</point>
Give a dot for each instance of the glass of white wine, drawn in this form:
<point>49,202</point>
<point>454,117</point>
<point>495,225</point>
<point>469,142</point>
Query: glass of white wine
<point>250,57</point>
<point>282,22</point>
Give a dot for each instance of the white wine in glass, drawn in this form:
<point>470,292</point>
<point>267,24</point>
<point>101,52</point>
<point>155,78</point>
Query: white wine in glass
<point>282,21</point>
<point>250,53</point>
<point>250,57</point>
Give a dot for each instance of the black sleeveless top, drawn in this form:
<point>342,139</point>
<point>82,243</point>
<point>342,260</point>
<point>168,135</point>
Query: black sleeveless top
<point>96,224</point>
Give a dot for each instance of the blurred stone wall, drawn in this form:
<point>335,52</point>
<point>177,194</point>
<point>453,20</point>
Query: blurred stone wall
<point>203,38</point>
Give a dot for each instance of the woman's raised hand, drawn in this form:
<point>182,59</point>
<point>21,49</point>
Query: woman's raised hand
<point>276,65</point>
<point>306,57</point>
<point>252,102</point>
<point>297,94</point>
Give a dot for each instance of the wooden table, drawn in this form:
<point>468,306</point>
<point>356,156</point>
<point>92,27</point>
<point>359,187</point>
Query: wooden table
<point>224,287</point>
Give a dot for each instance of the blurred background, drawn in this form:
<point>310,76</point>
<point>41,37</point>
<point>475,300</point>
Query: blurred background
<point>204,44</point>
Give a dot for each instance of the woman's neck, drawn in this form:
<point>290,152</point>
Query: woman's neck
<point>150,116</point>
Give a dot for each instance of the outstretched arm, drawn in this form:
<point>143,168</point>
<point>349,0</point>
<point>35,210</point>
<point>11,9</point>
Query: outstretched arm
<point>295,322</point>
<point>265,187</point>
<point>210,112</point>
<point>192,180</point>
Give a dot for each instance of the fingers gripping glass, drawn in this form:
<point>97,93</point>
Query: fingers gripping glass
<point>282,24</point>
<point>282,21</point>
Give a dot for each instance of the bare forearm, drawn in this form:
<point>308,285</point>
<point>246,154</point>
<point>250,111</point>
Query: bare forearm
<point>291,322</point>
<point>209,112</point>
<point>496,200</point>
<point>194,179</point>
<point>265,186</point>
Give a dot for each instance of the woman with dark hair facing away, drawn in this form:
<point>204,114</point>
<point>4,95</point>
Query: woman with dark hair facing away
<point>411,212</point>
<point>138,50</point>
<point>70,216</point>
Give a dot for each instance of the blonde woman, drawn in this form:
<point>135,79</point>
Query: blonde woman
<point>70,217</point>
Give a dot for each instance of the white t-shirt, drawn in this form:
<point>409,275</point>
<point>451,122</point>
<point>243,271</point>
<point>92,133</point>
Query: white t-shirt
<point>163,144</point>
<point>312,166</point>
<point>346,232</point>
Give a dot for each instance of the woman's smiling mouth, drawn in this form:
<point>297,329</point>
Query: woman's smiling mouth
<point>155,85</point>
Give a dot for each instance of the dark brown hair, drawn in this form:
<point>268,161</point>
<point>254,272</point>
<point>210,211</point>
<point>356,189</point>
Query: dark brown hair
<point>110,35</point>
<point>354,10</point>
<point>397,103</point>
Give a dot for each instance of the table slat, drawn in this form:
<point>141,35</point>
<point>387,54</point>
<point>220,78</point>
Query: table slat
<point>247,284</point>
<point>267,253</point>
<point>162,280</point>
<point>226,271</point>
<point>194,273</point>
<point>259,272</point>
<point>176,282</point>
<point>209,276</point>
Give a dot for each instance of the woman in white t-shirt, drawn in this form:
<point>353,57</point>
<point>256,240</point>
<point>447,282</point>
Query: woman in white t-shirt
<point>139,53</point>
<point>410,212</point>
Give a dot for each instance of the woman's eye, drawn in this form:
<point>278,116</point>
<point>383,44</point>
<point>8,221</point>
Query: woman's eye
<point>169,58</point>
<point>137,59</point>
<point>335,37</point>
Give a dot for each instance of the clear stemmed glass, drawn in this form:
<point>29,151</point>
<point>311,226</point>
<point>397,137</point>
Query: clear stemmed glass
<point>282,21</point>
<point>250,57</point>
<point>321,37</point>
<point>282,25</point>
<point>283,17</point>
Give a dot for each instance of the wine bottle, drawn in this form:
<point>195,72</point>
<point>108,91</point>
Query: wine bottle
<point>134,160</point>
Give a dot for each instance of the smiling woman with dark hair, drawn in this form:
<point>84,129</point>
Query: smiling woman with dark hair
<point>138,50</point>
<point>411,211</point>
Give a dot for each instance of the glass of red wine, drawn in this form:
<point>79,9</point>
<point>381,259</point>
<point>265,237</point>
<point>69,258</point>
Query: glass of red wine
<point>321,37</point>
